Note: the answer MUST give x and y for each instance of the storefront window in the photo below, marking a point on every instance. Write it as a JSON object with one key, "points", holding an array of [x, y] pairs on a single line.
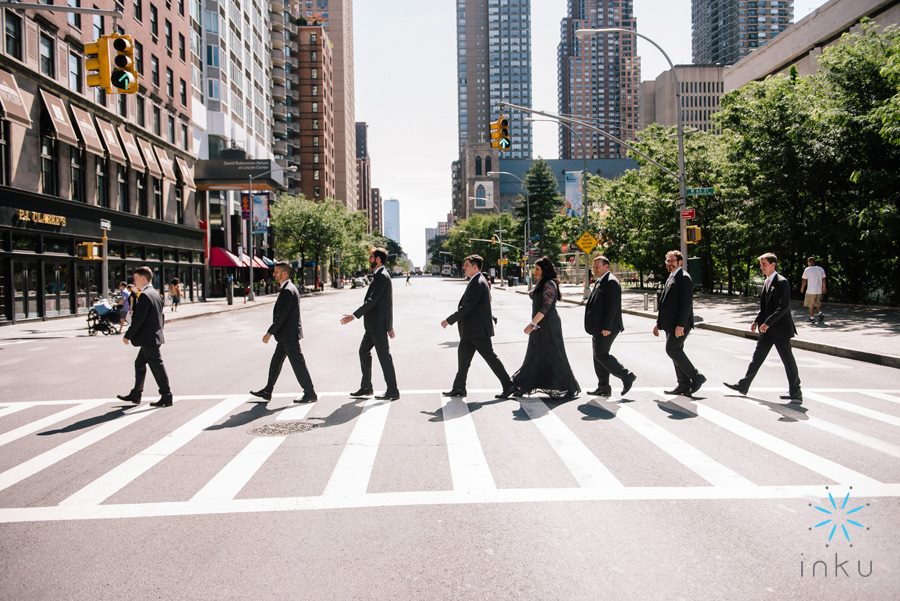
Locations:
{"points": [[135, 252], [56, 245], [114, 250], [169, 255], [153, 254], [25, 243], [87, 280]]}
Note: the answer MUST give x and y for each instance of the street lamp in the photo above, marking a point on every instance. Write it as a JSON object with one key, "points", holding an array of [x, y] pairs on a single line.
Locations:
{"points": [[527, 222], [250, 178], [682, 198]]}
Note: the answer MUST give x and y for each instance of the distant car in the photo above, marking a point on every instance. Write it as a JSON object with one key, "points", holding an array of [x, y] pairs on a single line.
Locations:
{"points": [[359, 283], [447, 270]]}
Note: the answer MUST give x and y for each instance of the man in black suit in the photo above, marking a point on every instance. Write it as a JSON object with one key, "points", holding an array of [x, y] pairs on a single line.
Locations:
{"points": [[676, 319], [377, 312], [476, 326], [603, 321], [146, 333], [288, 331], [776, 328]]}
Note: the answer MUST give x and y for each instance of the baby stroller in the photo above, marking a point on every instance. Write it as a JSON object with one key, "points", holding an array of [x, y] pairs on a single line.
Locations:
{"points": [[103, 317]]}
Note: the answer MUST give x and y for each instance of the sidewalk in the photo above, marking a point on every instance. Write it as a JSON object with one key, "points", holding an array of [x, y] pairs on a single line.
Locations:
{"points": [[859, 332]]}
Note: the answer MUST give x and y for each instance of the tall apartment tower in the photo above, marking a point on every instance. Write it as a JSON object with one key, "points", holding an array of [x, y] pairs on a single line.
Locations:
{"points": [[375, 205], [723, 31], [391, 208], [599, 78], [363, 171], [493, 57], [338, 18]]}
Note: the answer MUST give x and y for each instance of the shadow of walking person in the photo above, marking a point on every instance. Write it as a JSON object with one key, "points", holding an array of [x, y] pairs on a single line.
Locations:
{"points": [[259, 410], [94, 421]]}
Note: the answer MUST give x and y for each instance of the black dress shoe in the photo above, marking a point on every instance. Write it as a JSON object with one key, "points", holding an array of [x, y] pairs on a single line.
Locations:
{"points": [[391, 395], [599, 391], [678, 390], [794, 397], [263, 394], [130, 398], [164, 401], [738, 388], [307, 398], [362, 392], [454, 392], [507, 392], [697, 382], [627, 381]]}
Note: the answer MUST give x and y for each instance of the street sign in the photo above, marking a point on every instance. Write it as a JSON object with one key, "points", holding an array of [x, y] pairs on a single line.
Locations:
{"points": [[700, 191], [502, 261], [689, 214], [587, 243], [105, 224]]}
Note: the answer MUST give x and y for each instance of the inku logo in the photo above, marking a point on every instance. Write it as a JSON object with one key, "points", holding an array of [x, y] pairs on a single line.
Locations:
{"points": [[841, 524]]}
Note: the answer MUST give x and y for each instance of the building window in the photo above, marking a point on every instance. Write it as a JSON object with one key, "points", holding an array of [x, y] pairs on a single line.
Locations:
{"points": [[312, 55], [171, 130], [179, 202], [75, 80], [154, 21], [154, 70], [315, 124], [317, 191], [139, 10], [212, 56], [315, 90], [181, 50], [170, 83], [77, 166], [100, 96], [182, 92], [140, 111], [48, 55], [167, 28], [99, 24], [314, 74], [49, 158], [74, 18], [185, 137], [142, 194], [123, 105], [213, 89], [139, 57], [157, 197], [13, 35], [102, 184], [312, 38], [4, 153], [316, 175], [315, 107], [487, 164], [122, 186], [181, 7], [316, 158], [316, 141], [157, 118]]}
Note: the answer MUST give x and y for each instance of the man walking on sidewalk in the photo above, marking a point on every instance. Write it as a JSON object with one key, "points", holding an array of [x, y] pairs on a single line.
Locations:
{"points": [[676, 319], [813, 285], [603, 321], [776, 328]]}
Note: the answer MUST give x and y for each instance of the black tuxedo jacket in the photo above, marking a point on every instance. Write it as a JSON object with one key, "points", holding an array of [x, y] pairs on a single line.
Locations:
{"points": [[147, 319], [377, 311], [474, 310], [603, 310], [676, 306], [286, 325], [775, 309]]}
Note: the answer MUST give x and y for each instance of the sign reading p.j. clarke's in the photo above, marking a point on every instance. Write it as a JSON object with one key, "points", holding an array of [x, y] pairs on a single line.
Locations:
{"points": [[25, 216]]}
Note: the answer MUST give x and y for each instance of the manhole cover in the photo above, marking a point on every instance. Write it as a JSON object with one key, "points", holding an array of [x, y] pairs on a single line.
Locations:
{"points": [[283, 428]]}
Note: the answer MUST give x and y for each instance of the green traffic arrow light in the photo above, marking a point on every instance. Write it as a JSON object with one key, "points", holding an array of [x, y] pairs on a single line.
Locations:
{"points": [[122, 80], [504, 143]]}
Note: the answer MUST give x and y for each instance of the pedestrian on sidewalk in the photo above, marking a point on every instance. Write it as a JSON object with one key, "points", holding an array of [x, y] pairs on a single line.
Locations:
{"points": [[377, 312], [175, 293], [603, 321], [476, 327], [546, 366], [813, 285], [146, 333], [408, 283], [124, 305], [776, 328], [287, 329], [676, 318]]}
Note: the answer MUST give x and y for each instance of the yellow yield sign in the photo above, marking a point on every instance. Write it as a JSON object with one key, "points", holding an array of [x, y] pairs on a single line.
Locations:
{"points": [[587, 243]]}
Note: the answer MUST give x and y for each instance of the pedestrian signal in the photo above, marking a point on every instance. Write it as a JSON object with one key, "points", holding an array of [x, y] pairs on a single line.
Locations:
{"points": [[500, 137], [89, 251], [124, 76], [692, 234], [97, 64]]}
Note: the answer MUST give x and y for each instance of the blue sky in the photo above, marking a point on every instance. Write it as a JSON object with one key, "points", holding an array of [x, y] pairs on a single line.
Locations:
{"points": [[405, 70]]}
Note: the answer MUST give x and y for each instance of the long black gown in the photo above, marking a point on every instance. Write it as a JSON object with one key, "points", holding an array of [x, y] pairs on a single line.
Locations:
{"points": [[546, 367]]}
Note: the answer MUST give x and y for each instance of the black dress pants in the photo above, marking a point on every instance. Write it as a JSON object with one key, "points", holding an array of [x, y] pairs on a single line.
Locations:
{"points": [[764, 344], [465, 352], [150, 355], [684, 369], [378, 341], [604, 363], [292, 351]]}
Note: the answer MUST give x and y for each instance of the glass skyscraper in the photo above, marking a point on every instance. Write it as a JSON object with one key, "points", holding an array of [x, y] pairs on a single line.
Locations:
{"points": [[723, 31]]}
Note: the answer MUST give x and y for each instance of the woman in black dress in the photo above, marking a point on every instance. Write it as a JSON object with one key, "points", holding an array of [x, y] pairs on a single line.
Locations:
{"points": [[546, 367]]}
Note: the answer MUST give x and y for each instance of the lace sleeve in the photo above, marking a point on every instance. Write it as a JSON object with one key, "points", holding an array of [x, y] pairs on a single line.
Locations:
{"points": [[549, 297]]}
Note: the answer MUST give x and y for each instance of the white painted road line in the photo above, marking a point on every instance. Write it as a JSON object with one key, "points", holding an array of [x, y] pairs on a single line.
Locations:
{"points": [[40, 424], [120, 476], [838, 473], [295, 413], [10, 409], [354, 467], [587, 470], [850, 407], [232, 478], [883, 396], [469, 469]]}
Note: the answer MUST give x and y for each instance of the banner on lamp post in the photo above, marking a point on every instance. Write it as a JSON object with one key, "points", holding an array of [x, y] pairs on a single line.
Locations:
{"points": [[573, 206]]}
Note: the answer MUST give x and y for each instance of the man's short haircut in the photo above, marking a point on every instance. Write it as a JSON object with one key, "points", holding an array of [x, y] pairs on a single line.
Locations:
{"points": [[601, 258], [768, 258], [381, 253], [811, 260], [123, 284], [677, 254], [284, 265], [476, 260], [144, 272]]}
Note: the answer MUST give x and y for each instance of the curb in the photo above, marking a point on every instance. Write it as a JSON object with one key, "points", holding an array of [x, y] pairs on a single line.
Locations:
{"points": [[816, 347], [242, 306]]}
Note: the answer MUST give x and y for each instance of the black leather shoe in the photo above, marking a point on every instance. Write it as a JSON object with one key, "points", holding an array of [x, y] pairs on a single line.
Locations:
{"points": [[737, 387], [678, 390], [263, 394], [507, 392], [164, 401], [362, 392], [130, 398], [795, 397], [391, 395], [627, 381], [307, 398], [454, 392], [697, 382], [602, 391]]}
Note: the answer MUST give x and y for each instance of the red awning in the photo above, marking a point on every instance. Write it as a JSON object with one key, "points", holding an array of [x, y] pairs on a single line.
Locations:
{"points": [[219, 257], [258, 263]]}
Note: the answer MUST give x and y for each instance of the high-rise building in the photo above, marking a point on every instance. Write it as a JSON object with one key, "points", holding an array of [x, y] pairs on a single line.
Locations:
{"points": [[375, 206], [391, 209], [702, 88], [363, 171], [722, 31], [317, 129], [599, 77]]}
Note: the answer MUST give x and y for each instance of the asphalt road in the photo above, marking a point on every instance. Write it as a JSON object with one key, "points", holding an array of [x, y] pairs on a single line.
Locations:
{"points": [[646, 497]]}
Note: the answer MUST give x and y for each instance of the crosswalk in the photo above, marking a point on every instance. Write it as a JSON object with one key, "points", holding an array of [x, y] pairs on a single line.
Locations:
{"points": [[95, 459]]}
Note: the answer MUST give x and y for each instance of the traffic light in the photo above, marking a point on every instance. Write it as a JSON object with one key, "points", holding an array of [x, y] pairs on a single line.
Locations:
{"points": [[692, 234], [124, 76], [97, 64], [89, 251], [500, 134]]}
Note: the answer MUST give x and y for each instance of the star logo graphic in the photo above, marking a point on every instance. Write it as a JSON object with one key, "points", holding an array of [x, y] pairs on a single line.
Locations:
{"points": [[839, 517]]}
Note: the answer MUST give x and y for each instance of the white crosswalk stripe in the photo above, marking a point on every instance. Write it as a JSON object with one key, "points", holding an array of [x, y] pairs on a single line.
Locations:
{"points": [[473, 480]]}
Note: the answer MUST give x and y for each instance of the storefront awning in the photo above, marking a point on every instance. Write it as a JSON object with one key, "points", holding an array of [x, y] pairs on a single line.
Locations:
{"points": [[59, 118], [150, 158], [268, 261], [88, 131], [131, 150], [108, 136], [219, 257], [186, 175], [11, 100], [258, 263], [165, 162]]}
